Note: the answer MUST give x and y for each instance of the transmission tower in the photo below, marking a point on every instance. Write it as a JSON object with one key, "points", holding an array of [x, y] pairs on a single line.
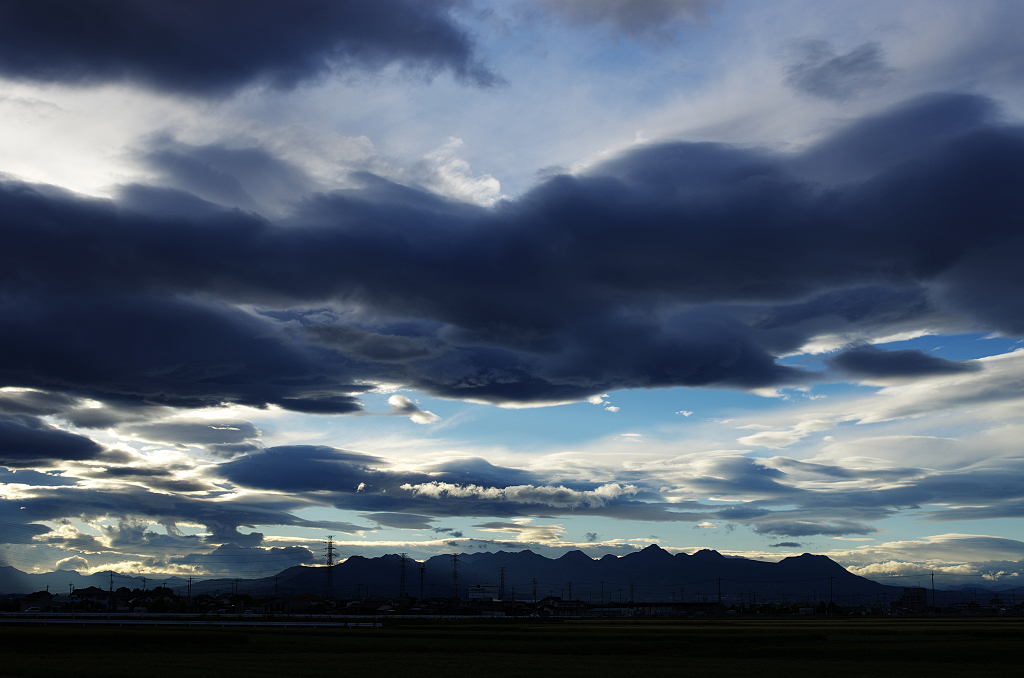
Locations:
{"points": [[329, 583], [402, 557], [455, 576], [501, 583], [423, 569]]}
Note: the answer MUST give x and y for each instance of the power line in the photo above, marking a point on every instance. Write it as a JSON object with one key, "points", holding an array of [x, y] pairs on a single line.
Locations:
{"points": [[329, 583], [455, 576]]}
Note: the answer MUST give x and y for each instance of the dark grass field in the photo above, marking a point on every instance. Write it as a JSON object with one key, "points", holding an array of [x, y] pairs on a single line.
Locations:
{"points": [[765, 647]]}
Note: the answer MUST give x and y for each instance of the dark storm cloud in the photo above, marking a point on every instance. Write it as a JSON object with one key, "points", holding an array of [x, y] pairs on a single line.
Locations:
{"points": [[822, 73], [232, 558], [868, 361], [359, 481], [674, 264], [403, 521], [470, 488], [194, 431], [161, 350], [35, 403], [27, 442], [874, 143], [807, 528], [133, 505], [372, 345], [213, 48], [248, 178], [307, 468], [633, 17]]}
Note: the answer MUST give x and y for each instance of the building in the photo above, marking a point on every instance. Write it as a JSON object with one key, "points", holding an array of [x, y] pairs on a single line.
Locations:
{"points": [[914, 599], [40, 601]]}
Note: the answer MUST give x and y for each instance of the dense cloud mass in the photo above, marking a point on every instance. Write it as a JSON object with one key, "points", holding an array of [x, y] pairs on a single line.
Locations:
{"points": [[204, 48], [236, 349], [822, 73], [672, 265], [30, 442], [633, 17], [867, 361]]}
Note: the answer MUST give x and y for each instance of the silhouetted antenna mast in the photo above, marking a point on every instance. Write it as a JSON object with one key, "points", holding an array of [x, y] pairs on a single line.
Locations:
{"points": [[112, 582], [402, 557], [501, 583], [455, 576], [329, 582], [423, 569]]}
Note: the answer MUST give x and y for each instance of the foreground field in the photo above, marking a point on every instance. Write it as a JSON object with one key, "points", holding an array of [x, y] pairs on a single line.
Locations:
{"points": [[841, 647]]}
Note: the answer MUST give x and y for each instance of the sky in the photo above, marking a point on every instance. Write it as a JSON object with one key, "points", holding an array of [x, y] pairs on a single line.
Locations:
{"points": [[459, 275]]}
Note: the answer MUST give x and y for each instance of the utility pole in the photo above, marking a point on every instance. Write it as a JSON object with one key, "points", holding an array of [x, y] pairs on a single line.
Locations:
{"points": [[501, 583], [190, 588], [401, 582], [631, 598], [534, 589], [602, 592], [830, 597], [933, 591], [275, 583], [570, 590], [423, 569], [719, 593], [455, 576], [329, 583], [111, 581]]}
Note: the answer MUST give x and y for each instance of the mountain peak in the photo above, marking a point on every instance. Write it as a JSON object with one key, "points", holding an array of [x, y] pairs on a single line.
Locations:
{"points": [[707, 554], [650, 552]]}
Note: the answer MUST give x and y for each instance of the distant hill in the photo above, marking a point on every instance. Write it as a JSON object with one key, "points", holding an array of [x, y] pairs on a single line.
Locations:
{"points": [[13, 580], [652, 573]]}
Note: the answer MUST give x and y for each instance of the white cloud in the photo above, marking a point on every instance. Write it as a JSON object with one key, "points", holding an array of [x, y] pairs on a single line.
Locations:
{"points": [[969, 556], [772, 439], [77, 563], [405, 407], [999, 382], [448, 174], [560, 496]]}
